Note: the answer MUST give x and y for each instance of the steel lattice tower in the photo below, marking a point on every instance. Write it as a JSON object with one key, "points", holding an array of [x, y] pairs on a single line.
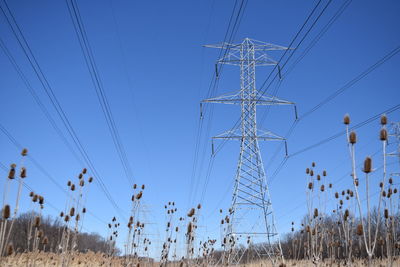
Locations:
{"points": [[251, 218]]}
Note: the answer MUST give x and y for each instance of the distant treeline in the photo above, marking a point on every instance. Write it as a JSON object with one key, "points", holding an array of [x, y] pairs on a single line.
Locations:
{"points": [[51, 233]]}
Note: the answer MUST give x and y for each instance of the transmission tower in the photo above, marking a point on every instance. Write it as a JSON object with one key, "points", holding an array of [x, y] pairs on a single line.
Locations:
{"points": [[250, 218]]}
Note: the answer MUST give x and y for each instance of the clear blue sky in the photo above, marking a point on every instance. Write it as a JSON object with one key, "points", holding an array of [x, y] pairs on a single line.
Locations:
{"points": [[155, 72]]}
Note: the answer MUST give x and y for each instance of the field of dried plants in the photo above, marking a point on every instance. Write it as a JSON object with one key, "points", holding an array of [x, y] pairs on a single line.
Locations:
{"points": [[360, 231]]}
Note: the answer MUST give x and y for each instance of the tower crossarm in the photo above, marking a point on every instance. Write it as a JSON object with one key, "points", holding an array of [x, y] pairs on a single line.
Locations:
{"points": [[261, 135], [257, 99]]}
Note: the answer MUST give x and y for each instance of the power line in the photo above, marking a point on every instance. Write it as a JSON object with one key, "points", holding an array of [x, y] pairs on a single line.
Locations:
{"points": [[16, 30], [80, 31]]}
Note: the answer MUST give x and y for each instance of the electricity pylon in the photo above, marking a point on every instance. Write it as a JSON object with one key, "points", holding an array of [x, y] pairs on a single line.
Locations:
{"points": [[250, 218]]}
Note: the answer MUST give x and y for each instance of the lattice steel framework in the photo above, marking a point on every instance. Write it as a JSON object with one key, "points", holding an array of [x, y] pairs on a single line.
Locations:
{"points": [[250, 218]]}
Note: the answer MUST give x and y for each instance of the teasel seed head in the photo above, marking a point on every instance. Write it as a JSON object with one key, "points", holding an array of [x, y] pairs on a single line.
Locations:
{"points": [[22, 173], [324, 173], [310, 185], [330, 185], [311, 173], [386, 213], [61, 214], [322, 188], [383, 119], [72, 187], [6, 212], [383, 136], [35, 198], [380, 184], [139, 195], [84, 171], [395, 190], [307, 170], [69, 183], [41, 200], [384, 193], [10, 249], [80, 176], [90, 180], [77, 217], [11, 173], [31, 194], [24, 152], [81, 183], [367, 165], [360, 230], [84, 210], [72, 212], [199, 206], [45, 240], [346, 119], [352, 138], [66, 218], [142, 186], [390, 180], [36, 222], [191, 212], [313, 164], [318, 177], [315, 213], [134, 186]]}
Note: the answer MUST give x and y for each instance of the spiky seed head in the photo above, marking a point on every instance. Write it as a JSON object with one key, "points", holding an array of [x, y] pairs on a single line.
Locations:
{"points": [[24, 152], [80, 176], [313, 164], [134, 186], [77, 217], [386, 213], [352, 138], [322, 188], [72, 187], [11, 173], [356, 182], [72, 212], [310, 185], [395, 191], [191, 212], [324, 173], [307, 170], [143, 186], [69, 183], [199, 206], [330, 185], [383, 136], [84, 171], [10, 249], [176, 229], [380, 184], [40, 234], [66, 218], [315, 213], [31, 194], [36, 222], [390, 180], [311, 173], [384, 193], [367, 165], [346, 119], [22, 173], [139, 195], [61, 214], [360, 230], [6, 212], [90, 180], [318, 177], [81, 183], [383, 119], [35, 198], [41, 200], [84, 210]]}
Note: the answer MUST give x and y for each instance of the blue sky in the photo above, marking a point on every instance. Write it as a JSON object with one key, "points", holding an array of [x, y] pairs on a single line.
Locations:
{"points": [[155, 72]]}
